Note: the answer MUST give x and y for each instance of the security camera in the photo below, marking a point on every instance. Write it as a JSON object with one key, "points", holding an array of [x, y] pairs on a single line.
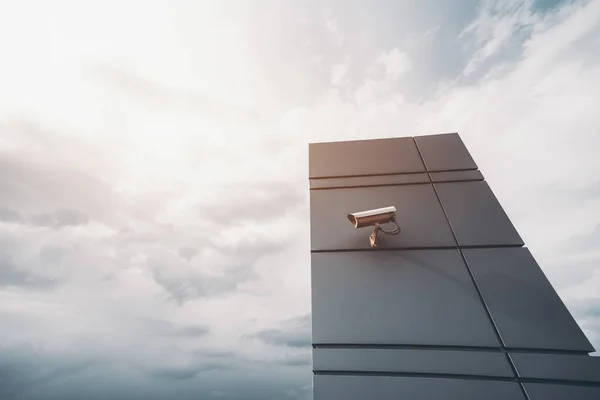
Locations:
{"points": [[375, 218], [371, 217]]}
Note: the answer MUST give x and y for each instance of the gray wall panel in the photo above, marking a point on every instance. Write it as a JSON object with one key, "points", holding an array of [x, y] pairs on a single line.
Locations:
{"points": [[399, 388], [539, 391], [473, 175], [364, 157], [419, 215], [525, 307], [476, 215], [415, 290], [415, 361], [444, 152], [397, 297], [369, 181], [558, 366]]}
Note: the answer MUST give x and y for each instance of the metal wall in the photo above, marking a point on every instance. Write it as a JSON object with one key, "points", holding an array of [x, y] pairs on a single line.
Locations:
{"points": [[454, 307]]}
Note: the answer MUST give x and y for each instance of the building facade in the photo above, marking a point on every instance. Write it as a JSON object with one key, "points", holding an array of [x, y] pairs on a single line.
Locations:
{"points": [[453, 307]]}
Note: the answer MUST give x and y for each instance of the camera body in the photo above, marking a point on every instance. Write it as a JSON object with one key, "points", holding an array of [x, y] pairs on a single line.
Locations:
{"points": [[377, 216]]}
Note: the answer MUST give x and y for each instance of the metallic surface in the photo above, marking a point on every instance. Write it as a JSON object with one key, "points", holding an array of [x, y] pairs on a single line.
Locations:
{"points": [[453, 176], [412, 297], [538, 391], [525, 307], [413, 388], [566, 367], [378, 180], [453, 307], [445, 152], [480, 363], [476, 216], [364, 157]]}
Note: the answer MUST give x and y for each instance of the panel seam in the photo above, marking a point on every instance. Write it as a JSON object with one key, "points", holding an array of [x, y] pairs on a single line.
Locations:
{"points": [[496, 378], [395, 184], [483, 349], [499, 246], [391, 173]]}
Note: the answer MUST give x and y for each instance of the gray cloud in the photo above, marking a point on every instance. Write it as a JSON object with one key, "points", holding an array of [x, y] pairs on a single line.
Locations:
{"points": [[229, 234], [185, 372], [163, 328], [301, 393], [196, 285], [13, 273], [299, 360], [586, 241], [23, 368], [187, 253], [68, 191], [191, 331], [9, 215], [587, 309], [283, 338], [214, 353], [253, 202], [570, 271], [59, 219], [246, 208], [295, 332]]}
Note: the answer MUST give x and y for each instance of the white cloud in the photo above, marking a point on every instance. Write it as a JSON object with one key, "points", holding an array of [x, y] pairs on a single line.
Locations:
{"points": [[338, 74], [496, 28], [335, 34], [390, 66]]}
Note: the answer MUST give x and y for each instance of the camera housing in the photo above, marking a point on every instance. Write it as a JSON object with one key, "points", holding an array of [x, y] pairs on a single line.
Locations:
{"points": [[375, 218], [372, 217]]}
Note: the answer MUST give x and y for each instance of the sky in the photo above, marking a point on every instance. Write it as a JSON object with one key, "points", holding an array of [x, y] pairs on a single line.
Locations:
{"points": [[154, 217]]}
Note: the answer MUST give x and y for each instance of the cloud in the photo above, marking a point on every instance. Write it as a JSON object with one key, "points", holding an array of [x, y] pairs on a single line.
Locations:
{"points": [[15, 274], [25, 181], [160, 96], [166, 329], [295, 332], [389, 66], [187, 284], [9, 215], [283, 338], [335, 34], [187, 253], [302, 393], [56, 220], [498, 25], [179, 372], [251, 202], [338, 73], [243, 224], [585, 241], [299, 360], [23, 368], [59, 219]]}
